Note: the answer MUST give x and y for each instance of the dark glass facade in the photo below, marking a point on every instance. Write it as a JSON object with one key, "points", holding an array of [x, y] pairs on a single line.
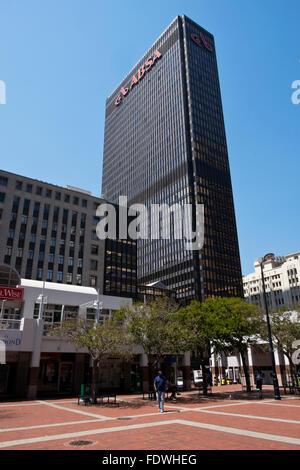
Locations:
{"points": [[165, 143], [120, 277], [120, 264]]}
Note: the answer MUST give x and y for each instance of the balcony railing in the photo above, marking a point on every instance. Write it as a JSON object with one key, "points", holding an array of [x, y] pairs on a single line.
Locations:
{"points": [[8, 324], [49, 327]]}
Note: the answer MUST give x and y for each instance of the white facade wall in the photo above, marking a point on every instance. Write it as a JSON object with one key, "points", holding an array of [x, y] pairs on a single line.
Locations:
{"points": [[281, 281], [30, 336]]}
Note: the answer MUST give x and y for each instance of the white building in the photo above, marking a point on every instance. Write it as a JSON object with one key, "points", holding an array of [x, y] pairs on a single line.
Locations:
{"points": [[281, 281], [281, 276], [37, 363]]}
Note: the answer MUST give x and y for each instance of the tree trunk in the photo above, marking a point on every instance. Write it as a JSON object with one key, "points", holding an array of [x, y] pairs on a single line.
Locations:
{"points": [[94, 379], [204, 378], [246, 372], [150, 374]]}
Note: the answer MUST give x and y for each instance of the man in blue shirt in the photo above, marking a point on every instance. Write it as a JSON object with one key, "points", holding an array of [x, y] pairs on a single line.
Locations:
{"points": [[160, 388]]}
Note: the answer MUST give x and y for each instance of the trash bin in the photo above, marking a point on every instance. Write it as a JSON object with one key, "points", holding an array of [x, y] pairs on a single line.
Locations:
{"points": [[138, 383]]}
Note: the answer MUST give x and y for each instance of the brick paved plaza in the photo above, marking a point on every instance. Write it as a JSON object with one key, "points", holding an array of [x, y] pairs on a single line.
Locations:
{"points": [[229, 419]]}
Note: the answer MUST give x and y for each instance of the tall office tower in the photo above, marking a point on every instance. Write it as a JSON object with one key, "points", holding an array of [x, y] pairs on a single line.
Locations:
{"points": [[165, 142]]}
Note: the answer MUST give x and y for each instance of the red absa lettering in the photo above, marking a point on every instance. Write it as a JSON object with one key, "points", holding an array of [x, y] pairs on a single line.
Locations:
{"points": [[124, 91], [148, 63], [141, 72], [134, 80], [156, 55]]}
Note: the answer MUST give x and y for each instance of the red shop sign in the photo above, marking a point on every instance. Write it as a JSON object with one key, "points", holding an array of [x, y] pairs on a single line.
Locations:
{"points": [[11, 293]]}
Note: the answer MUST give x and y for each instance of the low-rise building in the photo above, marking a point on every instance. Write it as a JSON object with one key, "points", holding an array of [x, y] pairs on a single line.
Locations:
{"points": [[48, 233], [38, 364]]}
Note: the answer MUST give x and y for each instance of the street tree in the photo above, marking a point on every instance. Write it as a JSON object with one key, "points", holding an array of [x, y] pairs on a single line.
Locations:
{"points": [[233, 325], [101, 340], [154, 326], [197, 334], [285, 330]]}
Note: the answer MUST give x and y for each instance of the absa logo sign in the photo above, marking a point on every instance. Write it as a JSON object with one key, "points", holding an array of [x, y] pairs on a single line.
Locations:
{"points": [[200, 39], [140, 74]]}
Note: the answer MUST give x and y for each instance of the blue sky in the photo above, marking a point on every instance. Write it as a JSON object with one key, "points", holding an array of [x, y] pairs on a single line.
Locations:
{"points": [[60, 59]]}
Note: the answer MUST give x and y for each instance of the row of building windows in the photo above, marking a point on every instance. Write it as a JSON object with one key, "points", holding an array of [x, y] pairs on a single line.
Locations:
{"points": [[40, 191], [70, 277], [51, 258]]}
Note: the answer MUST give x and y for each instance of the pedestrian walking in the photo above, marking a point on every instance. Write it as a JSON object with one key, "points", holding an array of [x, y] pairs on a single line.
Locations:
{"points": [[259, 377], [172, 388], [160, 388]]}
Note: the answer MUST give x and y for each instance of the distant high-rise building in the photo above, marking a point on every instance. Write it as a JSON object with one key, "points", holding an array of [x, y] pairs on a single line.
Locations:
{"points": [[165, 142]]}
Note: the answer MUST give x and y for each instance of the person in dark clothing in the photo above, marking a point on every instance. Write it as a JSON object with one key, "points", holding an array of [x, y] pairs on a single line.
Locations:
{"points": [[172, 388], [160, 388], [259, 376]]}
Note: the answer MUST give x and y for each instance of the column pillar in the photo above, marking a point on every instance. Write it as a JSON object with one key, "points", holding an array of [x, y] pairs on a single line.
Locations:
{"points": [[78, 372], [251, 365], [35, 360], [186, 370], [279, 367], [221, 369], [144, 368], [287, 369], [214, 369], [127, 377]]}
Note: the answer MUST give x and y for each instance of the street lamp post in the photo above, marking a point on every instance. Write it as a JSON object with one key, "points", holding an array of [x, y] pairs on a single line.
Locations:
{"points": [[42, 300], [96, 305], [2, 308], [274, 374]]}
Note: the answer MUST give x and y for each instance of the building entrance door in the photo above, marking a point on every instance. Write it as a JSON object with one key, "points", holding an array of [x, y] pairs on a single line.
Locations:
{"points": [[4, 371], [8, 374], [65, 377]]}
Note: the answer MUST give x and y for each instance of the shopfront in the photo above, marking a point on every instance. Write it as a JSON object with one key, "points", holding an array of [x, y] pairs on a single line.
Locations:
{"points": [[135, 375], [33, 362], [7, 379], [13, 374], [56, 374]]}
